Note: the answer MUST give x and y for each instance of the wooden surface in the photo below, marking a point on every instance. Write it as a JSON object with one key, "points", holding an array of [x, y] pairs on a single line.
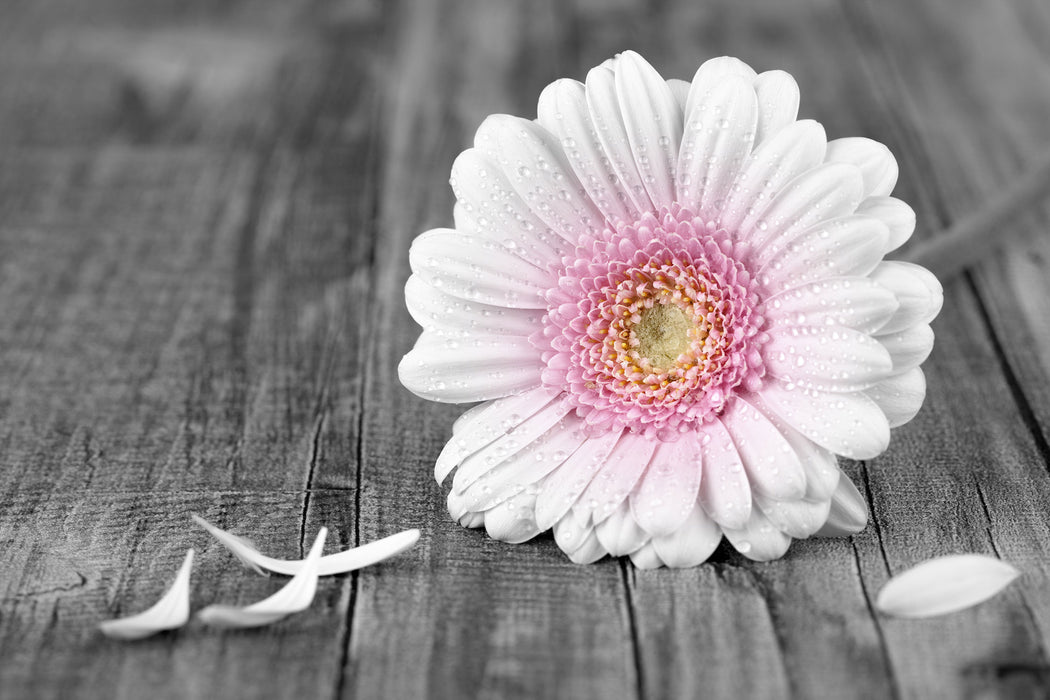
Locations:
{"points": [[205, 211]]}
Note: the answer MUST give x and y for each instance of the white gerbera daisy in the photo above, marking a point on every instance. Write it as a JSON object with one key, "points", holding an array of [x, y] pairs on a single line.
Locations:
{"points": [[671, 298]]}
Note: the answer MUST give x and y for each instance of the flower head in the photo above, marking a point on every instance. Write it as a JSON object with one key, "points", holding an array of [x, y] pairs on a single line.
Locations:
{"points": [[672, 301]]}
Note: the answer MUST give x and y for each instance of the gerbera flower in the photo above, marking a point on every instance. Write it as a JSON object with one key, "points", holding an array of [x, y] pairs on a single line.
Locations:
{"points": [[671, 299]]}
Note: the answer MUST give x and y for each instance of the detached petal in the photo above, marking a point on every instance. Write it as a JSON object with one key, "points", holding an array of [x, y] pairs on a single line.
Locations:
{"points": [[332, 564], [296, 596], [945, 584], [170, 612]]}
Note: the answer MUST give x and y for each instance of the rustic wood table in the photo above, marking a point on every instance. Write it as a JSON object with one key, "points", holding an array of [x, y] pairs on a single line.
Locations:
{"points": [[205, 212]]}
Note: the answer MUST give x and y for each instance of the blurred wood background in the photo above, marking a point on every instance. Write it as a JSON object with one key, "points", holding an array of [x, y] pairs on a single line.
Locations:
{"points": [[205, 211]]}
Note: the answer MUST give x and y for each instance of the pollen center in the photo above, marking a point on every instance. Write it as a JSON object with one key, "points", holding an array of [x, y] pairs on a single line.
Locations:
{"points": [[664, 332]]}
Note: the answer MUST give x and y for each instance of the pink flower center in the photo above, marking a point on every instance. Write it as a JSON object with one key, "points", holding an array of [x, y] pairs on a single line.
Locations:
{"points": [[653, 326]]}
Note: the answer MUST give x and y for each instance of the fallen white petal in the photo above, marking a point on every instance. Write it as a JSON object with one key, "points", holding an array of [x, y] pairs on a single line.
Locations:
{"points": [[171, 611], [295, 597], [340, 563], [945, 584]]}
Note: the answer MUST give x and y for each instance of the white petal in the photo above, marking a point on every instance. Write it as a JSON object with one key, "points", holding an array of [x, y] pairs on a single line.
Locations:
{"points": [[713, 73], [898, 216], [820, 466], [537, 169], [524, 469], [295, 596], [758, 540], [945, 584], [329, 565], [491, 421], [718, 135], [787, 154], [680, 90], [848, 424], [614, 481], [853, 302], [849, 511], [486, 202], [826, 358], [844, 247], [619, 532], [908, 348], [575, 536], [645, 557], [725, 493], [654, 124], [565, 486], [514, 520], [170, 612], [877, 165], [900, 397], [798, 519], [477, 269], [452, 317], [917, 289], [692, 543], [772, 467], [453, 372], [778, 98], [564, 112], [826, 192], [667, 491], [604, 106], [510, 444]]}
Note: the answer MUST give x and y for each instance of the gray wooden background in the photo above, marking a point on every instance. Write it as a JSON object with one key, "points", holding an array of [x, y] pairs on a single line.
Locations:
{"points": [[205, 211]]}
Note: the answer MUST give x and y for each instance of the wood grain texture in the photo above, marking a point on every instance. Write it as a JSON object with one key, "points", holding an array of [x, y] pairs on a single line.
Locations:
{"points": [[205, 211]]}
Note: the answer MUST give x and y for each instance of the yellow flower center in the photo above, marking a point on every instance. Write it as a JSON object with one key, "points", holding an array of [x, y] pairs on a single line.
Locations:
{"points": [[663, 334]]}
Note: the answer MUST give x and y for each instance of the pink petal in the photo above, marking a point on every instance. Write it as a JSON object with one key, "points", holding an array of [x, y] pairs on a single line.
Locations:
{"points": [[654, 124], [944, 585], [563, 111], [667, 492], [772, 467], [877, 165], [614, 481], [725, 493], [565, 486]]}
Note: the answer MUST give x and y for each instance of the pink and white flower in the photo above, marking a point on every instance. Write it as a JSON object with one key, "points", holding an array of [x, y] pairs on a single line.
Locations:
{"points": [[672, 300]]}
